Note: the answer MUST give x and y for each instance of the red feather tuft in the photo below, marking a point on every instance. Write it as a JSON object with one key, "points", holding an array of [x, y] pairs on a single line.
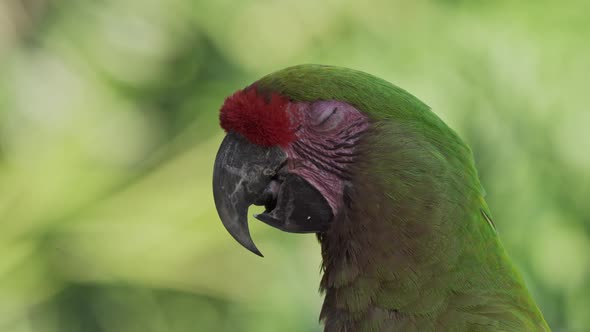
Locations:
{"points": [[263, 120]]}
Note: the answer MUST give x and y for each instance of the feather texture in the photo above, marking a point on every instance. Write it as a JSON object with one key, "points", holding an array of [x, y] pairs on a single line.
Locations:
{"points": [[413, 248]]}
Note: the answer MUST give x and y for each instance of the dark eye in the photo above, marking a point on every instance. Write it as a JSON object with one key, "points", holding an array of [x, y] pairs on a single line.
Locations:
{"points": [[326, 117]]}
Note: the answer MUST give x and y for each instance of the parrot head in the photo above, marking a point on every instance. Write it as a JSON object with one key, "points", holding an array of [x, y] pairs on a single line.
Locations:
{"points": [[294, 144], [292, 157]]}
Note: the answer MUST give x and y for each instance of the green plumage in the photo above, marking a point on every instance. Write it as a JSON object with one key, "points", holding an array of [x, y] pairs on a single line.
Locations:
{"points": [[414, 249]]}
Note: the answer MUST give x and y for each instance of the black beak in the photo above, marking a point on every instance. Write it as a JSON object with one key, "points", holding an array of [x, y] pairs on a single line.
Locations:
{"points": [[241, 174], [245, 174]]}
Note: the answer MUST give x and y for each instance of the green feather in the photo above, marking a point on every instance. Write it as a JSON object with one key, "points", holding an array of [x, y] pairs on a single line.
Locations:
{"points": [[416, 248]]}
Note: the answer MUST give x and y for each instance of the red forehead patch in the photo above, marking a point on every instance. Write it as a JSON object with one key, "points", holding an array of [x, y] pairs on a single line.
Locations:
{"points": [[262, 119]]}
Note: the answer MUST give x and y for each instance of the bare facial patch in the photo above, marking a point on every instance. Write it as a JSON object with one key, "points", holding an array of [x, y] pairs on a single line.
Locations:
{"points": [[326, 145]]}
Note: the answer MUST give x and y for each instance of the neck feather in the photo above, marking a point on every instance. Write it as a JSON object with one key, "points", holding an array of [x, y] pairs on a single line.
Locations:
{"points": [[411, 247]]}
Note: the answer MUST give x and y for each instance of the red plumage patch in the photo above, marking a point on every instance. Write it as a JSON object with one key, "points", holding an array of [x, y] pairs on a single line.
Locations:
{"points": [[263, 120]]}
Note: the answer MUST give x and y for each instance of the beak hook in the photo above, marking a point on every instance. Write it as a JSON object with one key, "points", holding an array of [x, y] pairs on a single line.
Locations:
{"points": [[241, 173]]}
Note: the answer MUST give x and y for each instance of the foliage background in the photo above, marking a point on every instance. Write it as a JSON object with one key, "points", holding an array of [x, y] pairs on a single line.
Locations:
{"points": [[108, 130]]}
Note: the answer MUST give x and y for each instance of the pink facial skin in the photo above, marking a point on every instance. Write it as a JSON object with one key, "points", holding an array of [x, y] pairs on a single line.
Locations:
{"points": [[326, 144]]}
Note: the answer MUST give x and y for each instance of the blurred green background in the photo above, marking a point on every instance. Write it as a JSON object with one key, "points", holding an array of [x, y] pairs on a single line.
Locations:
{"points": [[108, 131]]}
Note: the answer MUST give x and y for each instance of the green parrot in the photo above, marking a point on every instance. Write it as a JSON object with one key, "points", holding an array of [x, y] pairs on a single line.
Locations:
{"points": [[407, 239]]}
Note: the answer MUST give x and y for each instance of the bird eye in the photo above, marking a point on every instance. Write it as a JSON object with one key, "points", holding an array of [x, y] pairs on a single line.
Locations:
{"points": [[326, 117]]}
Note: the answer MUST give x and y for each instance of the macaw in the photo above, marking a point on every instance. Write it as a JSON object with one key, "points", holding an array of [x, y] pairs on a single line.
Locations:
{"points": [[407, 239]]}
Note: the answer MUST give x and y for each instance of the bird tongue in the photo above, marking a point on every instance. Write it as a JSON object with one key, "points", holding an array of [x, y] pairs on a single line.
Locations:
{"points": [[299, 208]]}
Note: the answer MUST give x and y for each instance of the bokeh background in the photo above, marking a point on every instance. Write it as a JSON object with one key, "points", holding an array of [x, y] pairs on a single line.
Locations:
{"points": [[108, 131]]}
